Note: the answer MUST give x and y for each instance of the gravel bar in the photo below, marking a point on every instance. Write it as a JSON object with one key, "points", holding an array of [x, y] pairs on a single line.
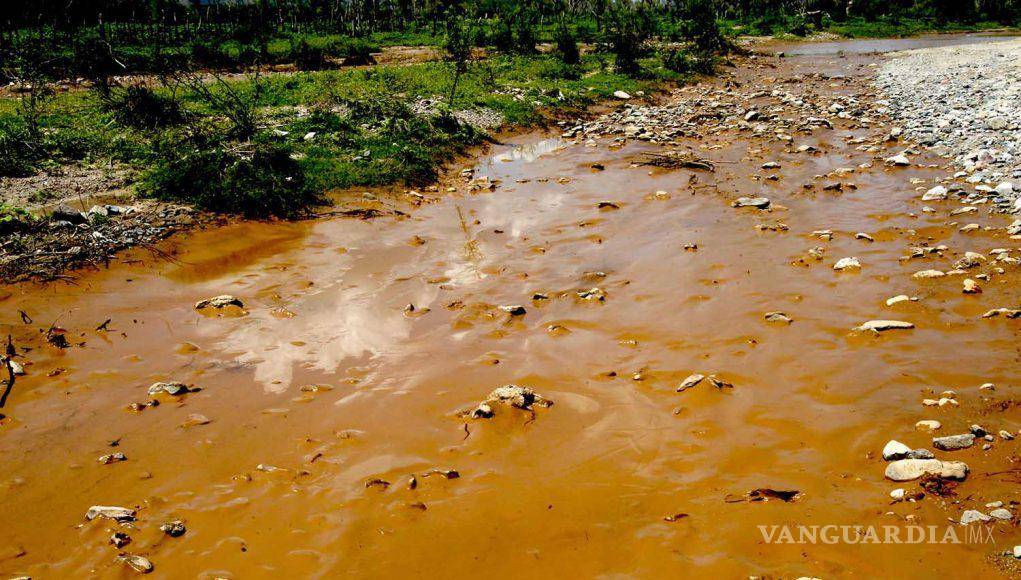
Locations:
{"points": [[965, 103]]}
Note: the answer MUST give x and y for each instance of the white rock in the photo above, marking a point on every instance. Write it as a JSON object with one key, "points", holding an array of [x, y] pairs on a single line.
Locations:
{"points": [[908, 469], [972, 516], [847, 264], [928, 425], [690, 382], [1002, 514], [895, 450], [621, 95], [938, 193], [897, 299], [900, 160], [881, 325], [759, 202], [120, 514]]}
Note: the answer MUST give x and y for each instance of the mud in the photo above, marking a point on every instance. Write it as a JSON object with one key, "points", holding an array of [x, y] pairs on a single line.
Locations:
{"points": [[330, 418]]}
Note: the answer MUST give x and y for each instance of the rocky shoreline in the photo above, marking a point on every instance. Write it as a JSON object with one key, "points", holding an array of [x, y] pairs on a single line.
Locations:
{"points": [[963, 102], [42, 249]]}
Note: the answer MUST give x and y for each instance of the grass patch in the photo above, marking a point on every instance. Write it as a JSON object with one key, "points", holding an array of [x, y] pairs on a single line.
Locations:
{"points": [[314, 131]]}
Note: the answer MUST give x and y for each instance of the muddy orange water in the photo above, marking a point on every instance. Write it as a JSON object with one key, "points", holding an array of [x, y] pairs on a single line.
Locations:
{"points": [[585, 488]]}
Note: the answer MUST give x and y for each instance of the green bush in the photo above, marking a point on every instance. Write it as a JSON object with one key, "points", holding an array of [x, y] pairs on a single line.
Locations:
{"points": [[13, 219], [354, 51], [307, 57], [628, 32], [682, 62], [261, 182], [567, 45], [142, 108], [18, 153]]}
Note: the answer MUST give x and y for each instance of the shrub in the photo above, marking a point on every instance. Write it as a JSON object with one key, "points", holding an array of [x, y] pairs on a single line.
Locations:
{"points": [[262, 182], [94, 60], [18, 151], [13, 219], [628, 32], [307, 57], [211, 54], [567, 45], [702, 27], [682, 62], [524, 33], [142, 108], [355, 51]]}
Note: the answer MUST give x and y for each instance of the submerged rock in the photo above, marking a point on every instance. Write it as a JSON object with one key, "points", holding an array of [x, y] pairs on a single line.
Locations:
{"points": [[851, 263], [895, 450], [972, 516], [174, 529]]}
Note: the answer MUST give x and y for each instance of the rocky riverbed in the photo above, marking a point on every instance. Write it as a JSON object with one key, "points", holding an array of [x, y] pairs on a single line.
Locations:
{"points": [[963, 102]]}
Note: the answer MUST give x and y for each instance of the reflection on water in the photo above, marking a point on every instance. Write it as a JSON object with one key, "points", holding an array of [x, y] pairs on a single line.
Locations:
{"points": [[529, 152]]}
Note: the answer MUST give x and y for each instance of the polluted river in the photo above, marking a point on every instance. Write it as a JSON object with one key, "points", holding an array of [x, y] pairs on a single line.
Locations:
{"points": [[711, 316]]}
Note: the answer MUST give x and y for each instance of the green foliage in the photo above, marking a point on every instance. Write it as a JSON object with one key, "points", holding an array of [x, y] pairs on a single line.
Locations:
{"points": [[567, 45], [629, 29], [18, 151], [13, 219], [354, 51], [261, 181], [307, 57], [142, 108], [702, 27], [685, 63]]}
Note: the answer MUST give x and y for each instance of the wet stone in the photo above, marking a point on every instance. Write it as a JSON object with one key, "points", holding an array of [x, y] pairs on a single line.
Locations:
{"points": [[222, 301], [174, 529], [689, 382], [953, 442], [909, 469], [757, 202], [523, 398], [884, 325], [972, 516], [139, 564], [1002, 514], [173, 389], [120, 514]]}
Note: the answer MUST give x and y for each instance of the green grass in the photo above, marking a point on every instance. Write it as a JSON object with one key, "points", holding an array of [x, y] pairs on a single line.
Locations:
{"points": [[785, 26], [895, 27], [365, 132]]}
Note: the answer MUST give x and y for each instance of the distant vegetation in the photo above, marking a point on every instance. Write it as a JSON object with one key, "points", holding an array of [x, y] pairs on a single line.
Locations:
{"points": [[260, 143]]}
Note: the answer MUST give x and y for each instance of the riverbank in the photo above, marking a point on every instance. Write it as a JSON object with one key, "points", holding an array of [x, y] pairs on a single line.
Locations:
{"points": [[965, 103], [332, 130]]}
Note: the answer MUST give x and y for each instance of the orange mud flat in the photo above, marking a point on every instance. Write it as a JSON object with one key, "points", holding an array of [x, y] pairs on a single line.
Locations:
{"points": [[324, 433]]}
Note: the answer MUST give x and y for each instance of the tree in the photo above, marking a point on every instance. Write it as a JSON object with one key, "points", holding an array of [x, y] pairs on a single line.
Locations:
{"points": [[458, 45]]}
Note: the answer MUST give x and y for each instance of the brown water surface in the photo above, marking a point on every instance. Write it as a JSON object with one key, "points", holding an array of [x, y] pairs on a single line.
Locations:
{"points": [[579, 489]]}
